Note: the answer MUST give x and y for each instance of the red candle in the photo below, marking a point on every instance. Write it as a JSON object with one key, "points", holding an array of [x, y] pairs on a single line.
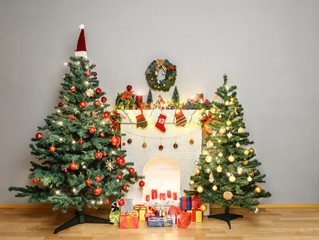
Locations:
{"points": [[147, 198], [139, 99], [174, 195], [169, 194], [154, 194], [162, 196]]}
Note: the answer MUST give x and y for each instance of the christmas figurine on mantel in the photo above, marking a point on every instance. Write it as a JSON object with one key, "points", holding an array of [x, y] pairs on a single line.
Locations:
{"points": [[80, 161], [226, 172]]}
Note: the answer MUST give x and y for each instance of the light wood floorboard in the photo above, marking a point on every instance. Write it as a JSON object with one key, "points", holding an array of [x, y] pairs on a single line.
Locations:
{"points": [[268, 224]]}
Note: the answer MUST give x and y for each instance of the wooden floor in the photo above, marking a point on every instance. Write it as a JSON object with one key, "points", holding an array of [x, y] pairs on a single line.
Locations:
{"points": [[283, 224]]}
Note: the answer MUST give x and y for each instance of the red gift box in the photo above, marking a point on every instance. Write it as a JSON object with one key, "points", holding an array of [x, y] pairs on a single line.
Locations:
{"points": [[149, 214], [196, 203], [184, 220], [197, 215], [128, 220]]}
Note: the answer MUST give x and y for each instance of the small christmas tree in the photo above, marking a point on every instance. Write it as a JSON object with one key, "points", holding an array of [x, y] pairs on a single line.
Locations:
{"points": [[175, 97], [226, 172], [80, 159], [149, 97]]}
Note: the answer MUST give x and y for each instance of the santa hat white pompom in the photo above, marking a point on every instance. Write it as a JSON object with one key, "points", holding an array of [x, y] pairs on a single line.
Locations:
{"points": [[81, 26]]}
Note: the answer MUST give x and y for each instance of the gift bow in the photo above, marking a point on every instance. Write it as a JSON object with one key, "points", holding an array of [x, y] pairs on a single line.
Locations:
{"points": [[127, 95], [159, 64]]}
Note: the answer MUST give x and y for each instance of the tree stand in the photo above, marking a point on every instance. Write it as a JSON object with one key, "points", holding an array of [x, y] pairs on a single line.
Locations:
{"points": [[226, 216], [79, 219]]}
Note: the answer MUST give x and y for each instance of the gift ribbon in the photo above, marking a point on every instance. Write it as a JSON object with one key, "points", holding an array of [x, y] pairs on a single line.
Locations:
{"points": [[160, 63], [165, 221], [128, 221]]}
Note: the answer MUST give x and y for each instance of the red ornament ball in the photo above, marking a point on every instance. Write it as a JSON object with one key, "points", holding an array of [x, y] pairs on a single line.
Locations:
{"points": [[88, 182], [97, 103], [81, 141], [52, 149], [106, 115], [82, 104], [34, 180], [102, 135], [88, 74], [124, 188], [60, 104], [104, 154], [98, 178], [95, 74], [121, 202], [38, 135], [120, 161], [65, 170], [131, 170], [98, 90], [129, 88], [72, 88], [103, 99], [142, 183], [95, 116], [73, 166], [171, 67], [114, 112], [160, 147], [97, 191], [136, 179], [123, 143], [107, 202], [119, 177], [92, 130], [98, 155], [152, 79], [115, 141], [38, 179]]}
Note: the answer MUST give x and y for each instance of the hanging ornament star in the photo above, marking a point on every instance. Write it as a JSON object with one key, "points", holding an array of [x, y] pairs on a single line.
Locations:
{"points": [[89, 92], [109, 165], [229, 135]]}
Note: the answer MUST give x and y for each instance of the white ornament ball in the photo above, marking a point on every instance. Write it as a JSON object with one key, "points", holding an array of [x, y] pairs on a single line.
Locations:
{"points": [[81, 26]]}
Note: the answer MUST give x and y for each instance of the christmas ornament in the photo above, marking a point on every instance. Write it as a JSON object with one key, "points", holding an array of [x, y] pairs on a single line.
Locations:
{"points": [[214, 188], [209, 144], [121, 202], [95, 116], [97, 103], [107, 202], [245, 162], [98, 91], [142, 183], [241, 130], [258, 189], [97, 191], [65, 170], [104, 154], [120, 161], [220, 154], [124, 188], [232, 178], [38, 135], [219, 169], [119, 177], [215, 97], [95, 74], [88, 182], [115, 141], [200, 189], [246, 152], [227, 103], [103, 99], [98, 155], [238, 145], [72, 88], [180, 119], [123, 143], [92, 130], [249, 179], [106, 115], [205, 152], [129, 88], [88, 74], [129, 141], [82, 104], [52, 149], [228, 122], [160, 147], [98, 178], [81, 141], [251, 150], [203, 208], [197, 171], [131, 170], [89, 92], [231, 158], [102, 134], [229, 135], [227, 195], [222, 130], [144, 145], [73, 166], [232, 99], [161, 121], [141, 121], [191, 141], [213, 110], [211, 178], [60, 104], [209, 159], [175, 145], [191, 182]]}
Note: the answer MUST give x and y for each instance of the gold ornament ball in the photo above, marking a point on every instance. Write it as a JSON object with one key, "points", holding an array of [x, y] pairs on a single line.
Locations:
{"points": [[197, 171], [232, 178], [191, 182], [213, 110], [209, 159], [222, 130], [228, 122], [200, 189], [204, 114], [251, 150], [220, 154], [205, 152], [232, 99], [227, 195], [231, 158], [258, 189], [241, 130], [227, 103], [144, 145], [245, 162], [203, 208], [246, 152], [191, 141], [210, 144], [238, 145], [214, 188], [251, 174], [219, 169]]}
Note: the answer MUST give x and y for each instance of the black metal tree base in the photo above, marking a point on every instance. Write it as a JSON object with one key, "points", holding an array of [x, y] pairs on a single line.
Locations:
{"points": [[79, 219], [226, 216]]}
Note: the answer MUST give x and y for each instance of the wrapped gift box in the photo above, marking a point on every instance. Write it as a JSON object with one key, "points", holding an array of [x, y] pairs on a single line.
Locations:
{"points": [[128, 220], [186, 203], [149, 214], [196, 203], [196, 215], [175, 212], [160, 221], [184, 220], [142, 209]]}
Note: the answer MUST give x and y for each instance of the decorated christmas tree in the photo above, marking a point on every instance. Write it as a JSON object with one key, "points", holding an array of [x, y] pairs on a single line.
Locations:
{"points": [[175, 97], [149, 97], [79, 158], [226, 172]]}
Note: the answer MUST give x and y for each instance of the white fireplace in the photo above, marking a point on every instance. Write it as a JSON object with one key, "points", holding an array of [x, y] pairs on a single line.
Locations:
{"points": [[166, 169]]}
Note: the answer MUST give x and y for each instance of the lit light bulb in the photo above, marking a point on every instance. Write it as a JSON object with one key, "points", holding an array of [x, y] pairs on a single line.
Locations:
{"points": [[58, 110], [86, 82], [84, 167], [65, 64], [60, 139], [207, 170], [74, 189], [57, 192], [92, 202], [73, 142], [60, 123], [228, 174], [249, 179], [100, 202]]}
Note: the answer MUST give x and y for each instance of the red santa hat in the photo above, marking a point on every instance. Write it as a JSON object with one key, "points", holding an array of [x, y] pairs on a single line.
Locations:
{"points": [[81, 47]]}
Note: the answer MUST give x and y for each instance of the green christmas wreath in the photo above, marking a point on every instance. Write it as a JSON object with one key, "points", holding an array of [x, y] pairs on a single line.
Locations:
{"points": [[152, 72]]}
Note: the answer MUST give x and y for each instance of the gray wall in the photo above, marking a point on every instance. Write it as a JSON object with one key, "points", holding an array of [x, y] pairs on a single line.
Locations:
{"points": [[269, 49]]}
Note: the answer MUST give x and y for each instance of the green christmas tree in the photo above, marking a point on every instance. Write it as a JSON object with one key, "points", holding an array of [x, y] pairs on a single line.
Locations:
{"points": [[79, 157], [175, 97], [149, 97], [226, 172]]}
